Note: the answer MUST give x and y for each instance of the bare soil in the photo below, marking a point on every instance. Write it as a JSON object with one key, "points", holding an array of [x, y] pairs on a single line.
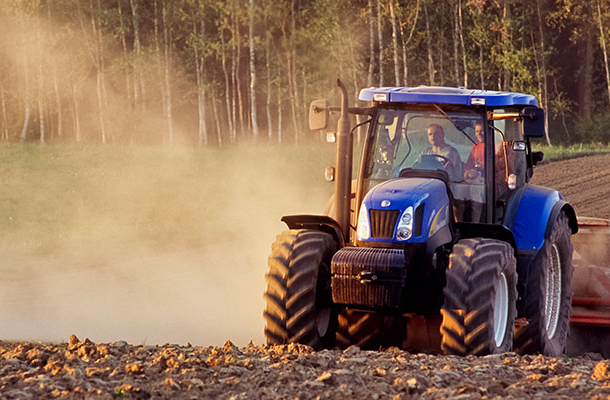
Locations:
{"points": [[584, 182], [82, 369]]}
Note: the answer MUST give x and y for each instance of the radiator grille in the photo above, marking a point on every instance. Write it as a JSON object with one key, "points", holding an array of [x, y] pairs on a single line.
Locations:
{"points": [[383, 223], [351, 264]]}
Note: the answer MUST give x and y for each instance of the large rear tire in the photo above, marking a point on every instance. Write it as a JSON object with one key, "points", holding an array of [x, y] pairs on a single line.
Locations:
{"points": [[548, 295], [298, 297], [480, 298]]}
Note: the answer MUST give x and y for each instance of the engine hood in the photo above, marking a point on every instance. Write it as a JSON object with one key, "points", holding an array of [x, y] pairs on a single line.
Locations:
{"points": [[427, 196]]}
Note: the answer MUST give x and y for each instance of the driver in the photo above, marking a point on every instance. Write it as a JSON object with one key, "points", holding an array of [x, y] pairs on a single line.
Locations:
{"points": [[453, 165]]}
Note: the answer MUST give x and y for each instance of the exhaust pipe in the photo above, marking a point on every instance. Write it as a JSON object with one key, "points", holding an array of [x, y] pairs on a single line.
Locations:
{"points": [[343, 183]]}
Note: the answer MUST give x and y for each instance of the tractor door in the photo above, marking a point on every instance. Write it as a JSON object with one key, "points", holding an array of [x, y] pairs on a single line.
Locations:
{"points": [[510, 161]]}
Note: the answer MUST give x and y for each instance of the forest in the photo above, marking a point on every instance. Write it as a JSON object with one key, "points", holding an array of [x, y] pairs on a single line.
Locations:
{"points": [[212, 73]]}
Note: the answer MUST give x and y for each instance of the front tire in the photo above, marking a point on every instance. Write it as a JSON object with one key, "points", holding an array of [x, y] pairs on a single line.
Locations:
{"points": [[298, 298], [548, 295], [480, 298]]}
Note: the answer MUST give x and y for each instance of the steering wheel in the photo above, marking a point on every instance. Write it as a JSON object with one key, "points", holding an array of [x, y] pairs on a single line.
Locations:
{"points": [[432, 162]]}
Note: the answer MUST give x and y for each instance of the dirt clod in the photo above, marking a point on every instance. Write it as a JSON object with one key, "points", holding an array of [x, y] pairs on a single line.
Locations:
{"points": [[289, 371]]}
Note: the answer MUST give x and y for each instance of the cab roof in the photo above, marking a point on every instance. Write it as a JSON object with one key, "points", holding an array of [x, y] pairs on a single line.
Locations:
{"points": [[446, 95]]}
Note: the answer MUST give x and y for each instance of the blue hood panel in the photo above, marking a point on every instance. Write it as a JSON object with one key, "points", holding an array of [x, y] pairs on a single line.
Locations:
{"points": [[404, 192]]}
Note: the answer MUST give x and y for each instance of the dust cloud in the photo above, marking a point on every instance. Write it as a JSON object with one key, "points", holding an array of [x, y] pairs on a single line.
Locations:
{"points": [[150, 265], [60, 69], [131, 249]]}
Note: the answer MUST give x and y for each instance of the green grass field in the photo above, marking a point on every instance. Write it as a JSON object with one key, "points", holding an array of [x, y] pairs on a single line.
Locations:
{"points": [[68, 197], [575, 150], [57, 198]]}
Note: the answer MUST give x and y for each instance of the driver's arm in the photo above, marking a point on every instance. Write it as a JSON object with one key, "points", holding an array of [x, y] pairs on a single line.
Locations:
{"points": [[457, 167]]}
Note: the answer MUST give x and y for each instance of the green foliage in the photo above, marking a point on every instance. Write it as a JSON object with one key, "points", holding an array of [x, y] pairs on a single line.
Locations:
{"points": [[594, 130], [75, 62]]}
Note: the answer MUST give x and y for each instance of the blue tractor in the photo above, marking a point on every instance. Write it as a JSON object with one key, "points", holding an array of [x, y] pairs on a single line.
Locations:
{"points": [[441, 243]]}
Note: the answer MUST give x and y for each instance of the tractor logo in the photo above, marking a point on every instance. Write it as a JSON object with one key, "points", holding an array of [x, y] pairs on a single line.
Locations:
{"points": [[385, 203]]}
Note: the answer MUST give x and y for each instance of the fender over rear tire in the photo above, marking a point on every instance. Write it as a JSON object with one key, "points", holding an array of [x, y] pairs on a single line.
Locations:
{"points": [[480, 298], [299, 306], [548, 295]]}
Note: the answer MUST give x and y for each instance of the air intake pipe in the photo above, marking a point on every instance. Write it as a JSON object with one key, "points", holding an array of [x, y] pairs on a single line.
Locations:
{"points": [[343, 183]]}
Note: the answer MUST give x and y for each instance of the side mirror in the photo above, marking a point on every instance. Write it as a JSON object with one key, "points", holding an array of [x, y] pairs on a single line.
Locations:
{"points": [[533, 122], [318, 115]]}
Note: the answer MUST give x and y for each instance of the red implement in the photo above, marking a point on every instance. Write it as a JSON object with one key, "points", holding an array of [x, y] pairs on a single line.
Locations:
{"points": [[590, 321]]}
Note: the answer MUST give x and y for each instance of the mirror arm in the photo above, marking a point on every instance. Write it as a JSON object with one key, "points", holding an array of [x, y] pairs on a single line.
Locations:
{"points": [[351, 110]]}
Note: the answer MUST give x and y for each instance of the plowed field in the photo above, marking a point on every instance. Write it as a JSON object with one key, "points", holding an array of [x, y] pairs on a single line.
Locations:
{"points": [[82, 369], [583, 181]]}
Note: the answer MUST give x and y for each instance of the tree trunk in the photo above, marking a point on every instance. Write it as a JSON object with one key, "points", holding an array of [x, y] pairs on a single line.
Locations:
{"points": [[167, 34], [202, 134], [380, 40], [369, 80], [160, 62], [456, 63], [429, 48], [395, 45], [41, 105], [5, 134], [268, 71], [292, 90], [253, 114], [26, 88], [441, 58], [295, 86], [461, 34], [405, 65], [481, 66], [562, 113], [537, 64], [128, 73], [279, 112], [405, 43], [234, 86], [58, 104], [506, 40], [100, 45], [586, 87], [216, 119], [125, 55], [603, 45], [227, 88], [237, 67], [95, 27], [76, 116], [290, 74], [139, 93], [40, 94], [544, 74]]}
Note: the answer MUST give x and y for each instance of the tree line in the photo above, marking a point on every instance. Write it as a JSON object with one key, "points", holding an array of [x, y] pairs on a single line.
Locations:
{"points": [[210, 72]]}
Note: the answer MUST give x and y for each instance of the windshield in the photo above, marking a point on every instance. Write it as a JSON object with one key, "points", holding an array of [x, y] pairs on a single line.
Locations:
{"points": [[428, 138]]}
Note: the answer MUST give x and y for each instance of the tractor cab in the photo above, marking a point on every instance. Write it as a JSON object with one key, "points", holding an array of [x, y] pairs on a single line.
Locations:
{"points": [[483, 152]]}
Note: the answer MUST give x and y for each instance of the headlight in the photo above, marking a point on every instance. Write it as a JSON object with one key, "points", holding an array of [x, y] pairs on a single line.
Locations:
{"points": [[404, 231], [363, 231]]}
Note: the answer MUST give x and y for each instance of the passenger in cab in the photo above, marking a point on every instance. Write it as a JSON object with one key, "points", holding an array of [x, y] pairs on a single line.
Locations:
{"points": [[476, 160]]}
